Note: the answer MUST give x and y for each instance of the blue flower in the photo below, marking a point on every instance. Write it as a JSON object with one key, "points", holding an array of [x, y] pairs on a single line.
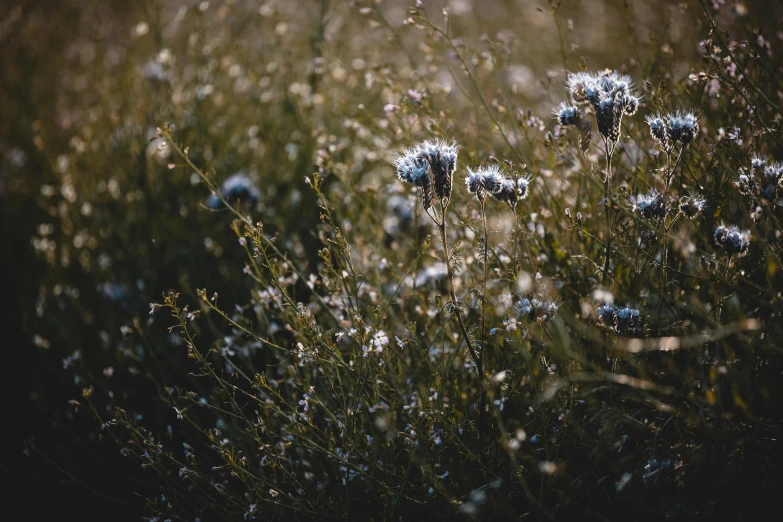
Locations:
{"points": [[236, 188]]}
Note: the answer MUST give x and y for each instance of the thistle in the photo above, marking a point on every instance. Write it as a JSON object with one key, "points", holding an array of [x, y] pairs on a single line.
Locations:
{"points": [[732, 240], [484, 180]]}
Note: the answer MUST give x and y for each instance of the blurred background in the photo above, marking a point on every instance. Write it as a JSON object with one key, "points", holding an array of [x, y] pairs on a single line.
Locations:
{"points": [[96, 222]]}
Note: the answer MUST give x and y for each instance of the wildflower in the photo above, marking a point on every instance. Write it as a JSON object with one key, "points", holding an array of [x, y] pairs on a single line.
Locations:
{"points": [[512, 191], [630, 103], [658, 130], [606, 115], [236, 188], [567, 115], [537, 309], [692, 205], [732, 240], [484, 180], [650, 205], [415, 164], [611, 96], [628, 321], [524, 307], [607, 314], [682, 127], [442, 159]]}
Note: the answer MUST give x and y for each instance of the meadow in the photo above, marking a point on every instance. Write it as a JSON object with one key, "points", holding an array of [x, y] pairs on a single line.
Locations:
{"points": [[393, 260]]}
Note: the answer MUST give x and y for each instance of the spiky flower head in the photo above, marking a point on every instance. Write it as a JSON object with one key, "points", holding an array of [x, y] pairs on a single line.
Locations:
{"points": [[624, 320], [757, 164], [692, 205], [236, 188], [732, 240], [771, 180], [608, 114], [658, 130], [435, 156], [567, 115], [537, 309], [682, 127], [410, 167], [442, 159], [630, 103], [628, 321], [650, 205], [484, 180], [607, 314], [511, 191]]}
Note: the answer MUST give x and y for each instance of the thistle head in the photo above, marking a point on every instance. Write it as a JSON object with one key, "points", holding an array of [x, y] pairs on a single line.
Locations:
{"points": [[692, 205], [682, 127], [567, 115], [650, 205], [484, 180], [732, 240]]}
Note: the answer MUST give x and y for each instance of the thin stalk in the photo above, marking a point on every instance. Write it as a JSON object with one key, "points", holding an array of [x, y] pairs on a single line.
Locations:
{"points": [[608, 192]]}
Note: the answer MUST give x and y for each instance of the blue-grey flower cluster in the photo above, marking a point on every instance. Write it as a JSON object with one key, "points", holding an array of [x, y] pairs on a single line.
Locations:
{"points": [[236, 188], [650, 205], [537, 309], [567, 115], [624, 321], [611, 96], [765, 179], [692, 205], [679, 128], [512, 191], [732, 240], [429, 165], [484, 180]]}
